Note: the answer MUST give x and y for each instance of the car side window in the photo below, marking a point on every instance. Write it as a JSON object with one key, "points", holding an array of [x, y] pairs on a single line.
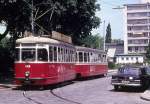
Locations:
{"points": [[143, 70], [148, 70]]}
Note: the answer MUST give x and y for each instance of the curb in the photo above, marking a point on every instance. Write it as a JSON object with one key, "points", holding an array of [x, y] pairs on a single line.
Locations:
{"points": [[146, 95], [8, 85], [112, 71]]}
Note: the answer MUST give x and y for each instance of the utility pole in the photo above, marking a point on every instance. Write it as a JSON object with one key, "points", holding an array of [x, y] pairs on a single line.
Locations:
{"points": [[104, 34]]}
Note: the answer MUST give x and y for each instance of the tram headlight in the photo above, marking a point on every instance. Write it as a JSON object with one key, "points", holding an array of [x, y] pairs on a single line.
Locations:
{"points": [[131, 78], [27, 73]]}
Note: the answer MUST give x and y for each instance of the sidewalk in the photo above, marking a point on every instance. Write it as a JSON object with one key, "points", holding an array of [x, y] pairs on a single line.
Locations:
{"points": [[146, 95], [7, 83], [112, 70]]}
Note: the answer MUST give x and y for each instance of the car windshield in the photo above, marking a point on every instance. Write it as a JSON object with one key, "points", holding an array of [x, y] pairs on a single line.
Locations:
{"points": [[129, 70]]}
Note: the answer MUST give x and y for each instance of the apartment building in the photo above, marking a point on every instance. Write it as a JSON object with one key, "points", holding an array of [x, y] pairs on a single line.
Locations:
{"points": [[137, 27], [118, 45]]}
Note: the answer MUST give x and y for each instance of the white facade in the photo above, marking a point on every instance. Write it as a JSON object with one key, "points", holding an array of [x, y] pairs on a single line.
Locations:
{"points": [[129, 59], [144, 1], [136, 27]]}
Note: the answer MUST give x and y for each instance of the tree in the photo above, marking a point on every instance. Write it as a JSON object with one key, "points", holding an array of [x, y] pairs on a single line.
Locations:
{"points": [[108, 34], [14, 14], [73, 17], [93, 41], [148, 52]]}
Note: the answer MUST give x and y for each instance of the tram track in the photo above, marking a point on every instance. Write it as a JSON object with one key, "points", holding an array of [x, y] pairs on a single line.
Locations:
{"points": [[30, 99], [25, 95], [51, 91], [63, 98]]}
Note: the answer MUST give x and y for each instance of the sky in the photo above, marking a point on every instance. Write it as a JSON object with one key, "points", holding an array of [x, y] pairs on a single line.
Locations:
{"points": [[112, 16], [2, 29]]}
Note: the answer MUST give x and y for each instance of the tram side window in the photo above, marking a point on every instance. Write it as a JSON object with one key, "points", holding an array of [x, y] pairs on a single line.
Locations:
{"points": [[28, 54], [72, 57], [104, 58], [85, 57], [88, 57], [17, 54], [76, 57], [64, 55], [99, 57], [55, 54], [42, 55], [67, 55], [62, 59], [65, 52], [59, 55], [91, 57], [80, 57], [50, 53]]}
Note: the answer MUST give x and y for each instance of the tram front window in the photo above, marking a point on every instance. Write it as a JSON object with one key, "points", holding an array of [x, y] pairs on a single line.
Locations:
{"points": [[28, 54], [16, 54], [42, 55]]}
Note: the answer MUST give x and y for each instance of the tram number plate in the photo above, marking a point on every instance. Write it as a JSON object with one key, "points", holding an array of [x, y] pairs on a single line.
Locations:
{"points": [[125, 82]]}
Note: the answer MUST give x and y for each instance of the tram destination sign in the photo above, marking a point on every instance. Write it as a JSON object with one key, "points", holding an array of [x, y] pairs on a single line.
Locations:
{"points": [[61, 37]]}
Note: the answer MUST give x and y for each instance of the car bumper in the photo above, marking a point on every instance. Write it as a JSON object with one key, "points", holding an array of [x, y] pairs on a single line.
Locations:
{"points": [[135, 83], [129, 84]]}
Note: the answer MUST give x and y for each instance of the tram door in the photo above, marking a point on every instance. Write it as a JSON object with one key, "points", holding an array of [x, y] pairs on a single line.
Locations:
{"points": [[52, 72], [61, 66]]}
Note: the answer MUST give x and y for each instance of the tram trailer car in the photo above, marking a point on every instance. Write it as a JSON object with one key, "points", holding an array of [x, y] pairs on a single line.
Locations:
{"points": [[90, 62], [43, 61]]}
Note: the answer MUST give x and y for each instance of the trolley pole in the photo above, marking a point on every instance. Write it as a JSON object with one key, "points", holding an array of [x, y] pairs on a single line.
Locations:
{"points": [[32, 20]]}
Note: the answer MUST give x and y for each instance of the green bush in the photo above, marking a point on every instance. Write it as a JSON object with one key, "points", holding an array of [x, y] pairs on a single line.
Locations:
{"points": [[111, 65]]}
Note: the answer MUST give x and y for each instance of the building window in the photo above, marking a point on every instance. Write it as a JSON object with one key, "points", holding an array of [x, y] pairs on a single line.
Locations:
{"points": [[122, 58], [130, 49], [127, 58], [136, 58], [136, 48]]}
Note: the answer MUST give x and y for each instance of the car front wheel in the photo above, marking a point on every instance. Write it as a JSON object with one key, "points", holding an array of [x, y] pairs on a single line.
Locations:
{"points": [[116, 87]]}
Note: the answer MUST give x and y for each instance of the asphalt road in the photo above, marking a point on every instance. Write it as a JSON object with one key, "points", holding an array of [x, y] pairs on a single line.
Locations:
{"points": [[93, 91]]}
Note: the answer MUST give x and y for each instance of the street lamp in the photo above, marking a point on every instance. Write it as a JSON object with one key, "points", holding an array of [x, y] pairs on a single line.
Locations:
{"points": [[104, 35]]}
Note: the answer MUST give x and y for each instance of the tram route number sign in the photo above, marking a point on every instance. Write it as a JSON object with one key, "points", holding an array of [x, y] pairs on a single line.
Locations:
{"points": [[61, 37]]}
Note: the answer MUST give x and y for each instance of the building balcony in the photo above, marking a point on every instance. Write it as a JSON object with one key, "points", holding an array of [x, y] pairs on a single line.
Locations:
{"points": [[137, 31], [139, 24], [138, 11], [138, 18], [137, 44], [137, 37]]}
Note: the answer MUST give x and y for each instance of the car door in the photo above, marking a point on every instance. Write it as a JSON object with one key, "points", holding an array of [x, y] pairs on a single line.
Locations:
{"points": [[145, 77]]}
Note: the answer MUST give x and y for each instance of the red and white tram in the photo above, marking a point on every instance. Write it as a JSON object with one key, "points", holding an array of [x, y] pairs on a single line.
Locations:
{"points": [[43, 61], [90, 62]]}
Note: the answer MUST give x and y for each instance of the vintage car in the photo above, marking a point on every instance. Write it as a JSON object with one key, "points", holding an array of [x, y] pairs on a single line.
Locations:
{"points": [[131, 76]]}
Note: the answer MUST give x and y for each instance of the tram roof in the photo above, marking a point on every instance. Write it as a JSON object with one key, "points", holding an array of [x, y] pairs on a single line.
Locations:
{"points": [[33, 39], [79, 48]]}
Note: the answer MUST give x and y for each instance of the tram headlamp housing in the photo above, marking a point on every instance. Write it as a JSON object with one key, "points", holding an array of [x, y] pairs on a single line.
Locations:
{"points": [[27, 73]]}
